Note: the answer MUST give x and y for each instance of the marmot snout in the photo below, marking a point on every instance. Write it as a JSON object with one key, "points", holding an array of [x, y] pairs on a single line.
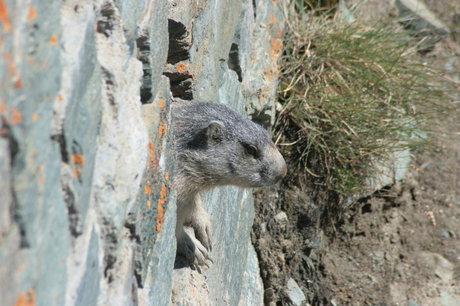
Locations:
{"points": [[216, 146]]}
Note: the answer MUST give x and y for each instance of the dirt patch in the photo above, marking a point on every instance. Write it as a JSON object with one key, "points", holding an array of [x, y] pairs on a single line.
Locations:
{"points": [[400, 246]]}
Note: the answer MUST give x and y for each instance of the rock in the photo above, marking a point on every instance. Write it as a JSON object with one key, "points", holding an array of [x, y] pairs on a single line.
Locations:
{"points": [[438, 265], [87, 153], [281, 217], [158, 273], [189, 287], [6, 200], [231, 227], [38, 240], [411, 303], [446, 234], [240, 52], [152, 41], [252, 292], [10, 237], [261, 79], [422, 17], [80, 146], [294, 294], [448, 299], [155, 212]]}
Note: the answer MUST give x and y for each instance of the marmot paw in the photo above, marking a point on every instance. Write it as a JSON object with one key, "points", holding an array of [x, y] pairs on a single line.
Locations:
{"points": [[194, 251], [202, 228]]}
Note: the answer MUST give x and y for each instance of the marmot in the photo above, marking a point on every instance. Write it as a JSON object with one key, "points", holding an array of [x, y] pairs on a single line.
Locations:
{"points": [[216, 146]]}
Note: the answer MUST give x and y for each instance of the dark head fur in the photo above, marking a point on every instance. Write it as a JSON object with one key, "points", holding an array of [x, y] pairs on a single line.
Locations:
{"points": [[217, 146]]}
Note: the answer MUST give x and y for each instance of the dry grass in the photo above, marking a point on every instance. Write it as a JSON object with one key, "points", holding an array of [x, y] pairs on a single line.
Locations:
{"points": [[355, 92]]}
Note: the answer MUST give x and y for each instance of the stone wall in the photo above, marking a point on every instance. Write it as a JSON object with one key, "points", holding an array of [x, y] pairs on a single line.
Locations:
{"points": [[87, 213]]}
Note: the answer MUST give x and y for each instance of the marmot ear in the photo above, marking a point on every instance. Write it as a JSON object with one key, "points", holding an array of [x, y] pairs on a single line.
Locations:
{"points": [[214, 132]]}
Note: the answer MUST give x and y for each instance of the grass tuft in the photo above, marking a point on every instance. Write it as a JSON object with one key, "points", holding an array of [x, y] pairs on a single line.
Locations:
{"points": [[354, 93]]}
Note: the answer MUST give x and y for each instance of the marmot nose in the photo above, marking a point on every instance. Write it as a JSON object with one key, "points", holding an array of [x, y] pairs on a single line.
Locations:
{"points": [[279, 164], [283, 168]]}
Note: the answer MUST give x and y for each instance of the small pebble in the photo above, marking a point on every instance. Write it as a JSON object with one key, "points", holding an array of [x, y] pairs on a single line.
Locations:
{"points": [[281, 217], [446, 234], [411, 303]]}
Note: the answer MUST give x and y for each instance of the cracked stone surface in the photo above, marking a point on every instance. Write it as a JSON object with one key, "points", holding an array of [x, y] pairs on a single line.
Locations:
{"points": [[87, 212]]}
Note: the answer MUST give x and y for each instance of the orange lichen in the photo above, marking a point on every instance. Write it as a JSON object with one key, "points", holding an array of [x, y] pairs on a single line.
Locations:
{"points": [[148, 190], [181, 67], [41, 179], [3, 108], [260, 96], [151, 151], [78, 159], [78, 162], [9, 60], [278, 34], [162, 193], [32, 14], [166, 175], [162, 129], [4, 16], [27, 299], [159, 218], [151, 145], [16, 116], [18, 82], [277, 46], [161, 201], [162, 103], [148, 204], [272, 18], [53, 39], [60, 98]]}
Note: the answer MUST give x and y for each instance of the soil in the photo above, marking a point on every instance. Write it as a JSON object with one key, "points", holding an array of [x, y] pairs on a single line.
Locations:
{"points": [[399, 246]]}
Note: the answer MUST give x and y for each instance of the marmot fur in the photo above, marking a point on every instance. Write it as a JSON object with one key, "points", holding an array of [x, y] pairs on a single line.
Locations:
{"points": [[216, 146]]}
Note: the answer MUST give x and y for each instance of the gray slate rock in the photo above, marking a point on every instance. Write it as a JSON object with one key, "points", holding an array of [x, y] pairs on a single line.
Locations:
{"points": [[253, 288], [422, 17], [87, 214], [294, 294]]}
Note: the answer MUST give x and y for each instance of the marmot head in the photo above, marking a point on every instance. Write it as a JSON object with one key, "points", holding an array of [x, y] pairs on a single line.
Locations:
{"points": [[218, 146]]}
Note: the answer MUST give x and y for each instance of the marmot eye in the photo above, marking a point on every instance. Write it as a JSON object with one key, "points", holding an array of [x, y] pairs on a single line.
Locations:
{"points": [[250, 149]]}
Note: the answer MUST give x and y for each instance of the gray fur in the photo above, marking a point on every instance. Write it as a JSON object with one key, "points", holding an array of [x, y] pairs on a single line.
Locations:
{"points": [[216, 146]]}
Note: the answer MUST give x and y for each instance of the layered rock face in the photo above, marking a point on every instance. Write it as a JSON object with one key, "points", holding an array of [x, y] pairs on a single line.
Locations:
{"points": [[87, 212]]}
